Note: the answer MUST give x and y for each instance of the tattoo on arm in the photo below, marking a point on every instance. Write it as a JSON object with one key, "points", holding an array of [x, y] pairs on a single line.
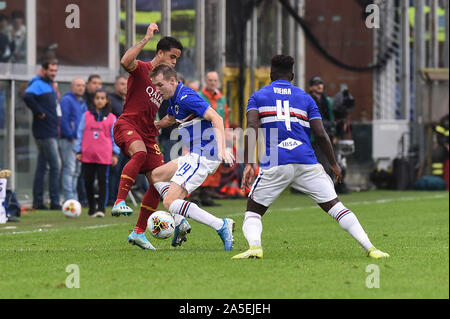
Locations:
{"points": [[142, 42], [129, 59]]}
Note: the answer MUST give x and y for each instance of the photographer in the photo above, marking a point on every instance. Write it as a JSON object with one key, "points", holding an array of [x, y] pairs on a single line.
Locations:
{"points": [[334, 117], [343, 104], [317, 92]]}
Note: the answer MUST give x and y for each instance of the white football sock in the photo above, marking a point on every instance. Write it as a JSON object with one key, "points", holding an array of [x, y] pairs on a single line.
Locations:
{"points": [[252, 228], [348, 221], [177, 218], [162, 188], [191, 210]]}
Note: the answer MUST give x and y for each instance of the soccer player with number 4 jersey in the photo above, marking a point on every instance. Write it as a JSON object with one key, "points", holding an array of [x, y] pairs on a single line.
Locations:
{"points": [[287, 116]]}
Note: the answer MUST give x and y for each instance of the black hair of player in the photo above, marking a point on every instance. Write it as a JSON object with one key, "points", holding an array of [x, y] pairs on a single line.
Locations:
{"points": [[281, 67], [167, 43]]}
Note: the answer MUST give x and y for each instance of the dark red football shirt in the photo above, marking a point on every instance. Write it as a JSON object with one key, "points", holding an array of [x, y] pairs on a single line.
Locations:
{"points": [[141, 102]]}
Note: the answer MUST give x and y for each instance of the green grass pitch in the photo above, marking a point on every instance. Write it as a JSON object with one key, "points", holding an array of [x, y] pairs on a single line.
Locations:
{"points": [[306, 254]]}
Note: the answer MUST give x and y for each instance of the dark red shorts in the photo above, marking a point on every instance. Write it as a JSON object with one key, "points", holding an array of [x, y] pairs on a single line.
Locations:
{"points": [[125, 134]]}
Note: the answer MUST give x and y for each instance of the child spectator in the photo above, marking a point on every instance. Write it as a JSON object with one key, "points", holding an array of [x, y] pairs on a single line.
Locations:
{"points": [[96, 150]]}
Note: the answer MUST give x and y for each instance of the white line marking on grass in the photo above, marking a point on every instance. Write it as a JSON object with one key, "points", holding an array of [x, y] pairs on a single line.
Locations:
{"points": [[46, 230], [100, 226], [366, 202], [21, 249], [378, 201]]}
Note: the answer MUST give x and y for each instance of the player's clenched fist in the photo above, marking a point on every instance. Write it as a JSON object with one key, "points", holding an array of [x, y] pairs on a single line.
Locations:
{"points": [[152, 28]]}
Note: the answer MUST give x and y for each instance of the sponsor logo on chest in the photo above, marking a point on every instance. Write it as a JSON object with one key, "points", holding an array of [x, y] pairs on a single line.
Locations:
{"points": [[154, 96], [289, 144]]}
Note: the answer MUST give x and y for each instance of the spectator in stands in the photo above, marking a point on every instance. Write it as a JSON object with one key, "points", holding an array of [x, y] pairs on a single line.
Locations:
{"points": [[195, 85], [40, 97], [5, 49], [72, 108], [93, 84], [323, 102], [17, 37], [97, 151], [212, 95], [117, 97], [4, 22]]}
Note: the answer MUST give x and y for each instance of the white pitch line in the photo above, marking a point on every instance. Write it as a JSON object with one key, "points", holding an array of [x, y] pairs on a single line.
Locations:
{"points": [[46, 230], [376, 202]]}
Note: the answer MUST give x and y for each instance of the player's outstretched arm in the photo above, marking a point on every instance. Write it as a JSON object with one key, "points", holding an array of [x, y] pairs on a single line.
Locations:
{"points": [[325, 145], [128, 60], [166, 121], [217, 122]]}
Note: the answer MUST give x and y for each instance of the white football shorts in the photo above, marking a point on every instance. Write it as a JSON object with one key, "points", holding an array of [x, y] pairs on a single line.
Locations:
{"points": [[310, 179], [193, 170]]}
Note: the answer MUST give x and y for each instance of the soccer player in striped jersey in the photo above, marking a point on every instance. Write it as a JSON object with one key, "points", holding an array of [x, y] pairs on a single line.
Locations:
{"points": [[288, 115], [135, 134], [202, 131]]}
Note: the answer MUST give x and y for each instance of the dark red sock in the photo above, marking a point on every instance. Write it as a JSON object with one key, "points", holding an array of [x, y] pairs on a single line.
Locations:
{"points": [[129, 174], [149, 204]]}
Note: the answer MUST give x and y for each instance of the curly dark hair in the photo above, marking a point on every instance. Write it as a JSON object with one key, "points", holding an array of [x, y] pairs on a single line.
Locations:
{"points": [[282, 67]]}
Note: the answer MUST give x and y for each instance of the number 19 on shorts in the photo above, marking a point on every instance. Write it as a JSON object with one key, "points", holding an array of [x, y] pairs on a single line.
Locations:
{"points": [[183, 169]]}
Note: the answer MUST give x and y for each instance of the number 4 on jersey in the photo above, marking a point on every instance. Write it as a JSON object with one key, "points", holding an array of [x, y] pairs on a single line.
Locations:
{"points": [[284, 113]]}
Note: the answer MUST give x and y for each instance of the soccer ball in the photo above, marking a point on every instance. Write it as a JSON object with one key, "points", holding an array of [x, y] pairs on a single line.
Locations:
{"points": [[71, 208], [161, 224]]}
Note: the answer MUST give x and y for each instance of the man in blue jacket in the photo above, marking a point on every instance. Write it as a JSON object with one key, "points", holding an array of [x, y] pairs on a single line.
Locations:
{"points": [[41, 98], [72, 109]]}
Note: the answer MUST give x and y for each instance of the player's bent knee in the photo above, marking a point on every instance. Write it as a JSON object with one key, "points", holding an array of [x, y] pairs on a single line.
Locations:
{"points": [[328, 205], [136, 146], [164, 173], [156, 175], [168, 200], [255, 207]]}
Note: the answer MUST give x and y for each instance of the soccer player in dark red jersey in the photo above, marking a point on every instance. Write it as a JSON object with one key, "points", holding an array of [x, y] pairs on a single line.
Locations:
{"points": [[135, 133]]}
